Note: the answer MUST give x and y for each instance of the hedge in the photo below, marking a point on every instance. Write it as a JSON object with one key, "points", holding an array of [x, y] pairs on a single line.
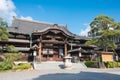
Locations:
{"points": [[6, 65], [112, 64], [89, 63], [22, 66]]}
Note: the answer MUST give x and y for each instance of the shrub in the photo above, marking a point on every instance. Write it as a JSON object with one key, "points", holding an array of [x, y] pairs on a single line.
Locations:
{"points": [[13, 56], [6, 65], [89, 63], [118, 64], [1, 66], [10, 49], [22, 66], [112, 64]]}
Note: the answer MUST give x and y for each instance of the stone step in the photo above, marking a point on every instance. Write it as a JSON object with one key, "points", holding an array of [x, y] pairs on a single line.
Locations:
{"points": [[78, 65]]}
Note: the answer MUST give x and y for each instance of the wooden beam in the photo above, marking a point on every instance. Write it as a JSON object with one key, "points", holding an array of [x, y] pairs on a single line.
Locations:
{"points": [[53, 41]]}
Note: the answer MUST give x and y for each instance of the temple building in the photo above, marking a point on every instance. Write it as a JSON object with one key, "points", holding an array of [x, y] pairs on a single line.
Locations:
{"points": [[46, 41]]}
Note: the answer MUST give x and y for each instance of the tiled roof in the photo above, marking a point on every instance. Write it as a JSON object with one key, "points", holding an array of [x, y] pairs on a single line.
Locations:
{"points": [[22, 48], [81, 37], [30, 26], [19, 40], [23, 26], [26, 26]]}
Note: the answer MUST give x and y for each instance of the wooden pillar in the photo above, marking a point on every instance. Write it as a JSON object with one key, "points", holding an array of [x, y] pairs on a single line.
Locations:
{"points": [[40, 50], [65, 49]]}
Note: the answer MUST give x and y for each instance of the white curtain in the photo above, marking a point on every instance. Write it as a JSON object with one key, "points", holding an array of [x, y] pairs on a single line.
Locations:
{"points": [[50, 51], [61, 52], [45, 51]]}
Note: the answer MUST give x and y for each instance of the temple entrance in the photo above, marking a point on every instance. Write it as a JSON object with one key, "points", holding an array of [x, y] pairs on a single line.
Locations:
{"points": [[52, 54], [52, 44], [48, 54]]}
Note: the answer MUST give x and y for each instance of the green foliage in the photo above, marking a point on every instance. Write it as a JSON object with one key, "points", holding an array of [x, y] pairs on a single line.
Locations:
{"points": [[13, 56], [116, 25], [110, 45], [22, 66], [101, 22], [112, 64], [89, 63], [3, 30], [109, 33], [103, 44], [102, 26], [92, 42], [10, 49], [6, 65]]}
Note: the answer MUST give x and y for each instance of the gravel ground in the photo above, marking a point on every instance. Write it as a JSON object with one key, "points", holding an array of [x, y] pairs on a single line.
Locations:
{"points": [[61, 74]]}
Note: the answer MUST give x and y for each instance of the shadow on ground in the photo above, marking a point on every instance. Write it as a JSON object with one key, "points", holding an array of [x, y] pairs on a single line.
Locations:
{"points": [[61, 66], [79, 76]]}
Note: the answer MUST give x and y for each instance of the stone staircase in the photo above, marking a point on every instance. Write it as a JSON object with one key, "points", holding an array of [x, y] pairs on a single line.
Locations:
{"points": [[79, 65], [56, 65]]}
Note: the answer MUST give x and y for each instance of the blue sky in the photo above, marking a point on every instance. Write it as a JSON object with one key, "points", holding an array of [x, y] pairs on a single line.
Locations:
{"points": [[77, 14]]}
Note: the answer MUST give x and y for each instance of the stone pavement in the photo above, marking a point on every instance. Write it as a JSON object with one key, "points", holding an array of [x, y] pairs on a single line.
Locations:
{"points": [[56, 65], [61, 74]]}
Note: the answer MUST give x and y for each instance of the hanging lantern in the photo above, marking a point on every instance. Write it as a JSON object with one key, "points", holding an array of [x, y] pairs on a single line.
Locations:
{"points": [[34, 53], [80, 54]]}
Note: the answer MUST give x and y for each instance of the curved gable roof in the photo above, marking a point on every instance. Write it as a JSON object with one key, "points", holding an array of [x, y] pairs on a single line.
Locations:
{"points": [[56, 28]]}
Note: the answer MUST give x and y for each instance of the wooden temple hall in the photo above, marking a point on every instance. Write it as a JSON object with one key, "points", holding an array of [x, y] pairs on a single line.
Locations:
{"points": [[46, 41]]}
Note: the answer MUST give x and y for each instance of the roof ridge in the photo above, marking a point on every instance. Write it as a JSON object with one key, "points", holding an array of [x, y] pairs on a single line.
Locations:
{"points": [[35, 21]]}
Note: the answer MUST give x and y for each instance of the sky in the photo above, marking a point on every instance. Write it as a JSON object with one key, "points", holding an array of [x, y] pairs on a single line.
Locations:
{"points": [[76, 14]]}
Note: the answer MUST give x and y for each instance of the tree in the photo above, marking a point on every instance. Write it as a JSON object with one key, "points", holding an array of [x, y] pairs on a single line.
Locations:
{"points": [[11, 49], [3, 30], [12, 54], [99, 24], [103, 31]]}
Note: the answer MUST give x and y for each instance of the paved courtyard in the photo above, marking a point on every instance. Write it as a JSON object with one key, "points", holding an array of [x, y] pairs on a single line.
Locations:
{"points": [[61, 74]]}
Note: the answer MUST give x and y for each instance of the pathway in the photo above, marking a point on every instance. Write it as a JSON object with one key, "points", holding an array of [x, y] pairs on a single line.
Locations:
{"points": [[61, 74]]}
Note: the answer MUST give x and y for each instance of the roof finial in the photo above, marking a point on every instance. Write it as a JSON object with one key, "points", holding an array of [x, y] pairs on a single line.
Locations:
{"points": [[14, 17], [55, 25]]}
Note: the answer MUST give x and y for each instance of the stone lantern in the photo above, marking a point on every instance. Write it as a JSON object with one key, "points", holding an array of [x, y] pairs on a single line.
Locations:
{"points": [[67, 62]]}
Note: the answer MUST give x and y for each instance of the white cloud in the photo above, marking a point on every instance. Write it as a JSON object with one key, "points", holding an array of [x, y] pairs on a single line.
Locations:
{"points": [[85, 31], [26, 18], [7, 10]]}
